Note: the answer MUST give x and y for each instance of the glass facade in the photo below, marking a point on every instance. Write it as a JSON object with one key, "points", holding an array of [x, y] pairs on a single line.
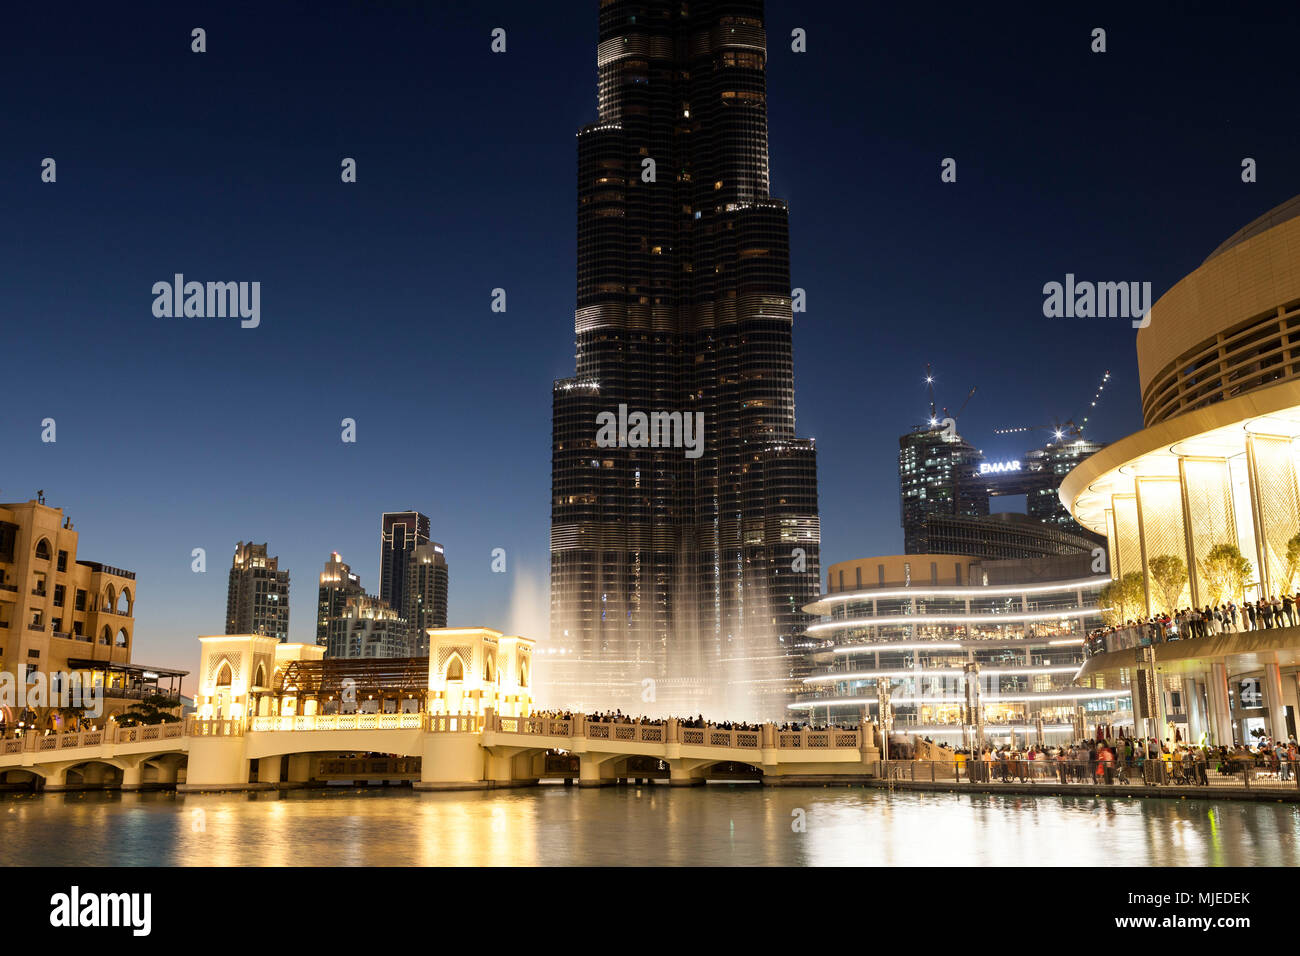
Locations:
{"points": [[1026, 639]]}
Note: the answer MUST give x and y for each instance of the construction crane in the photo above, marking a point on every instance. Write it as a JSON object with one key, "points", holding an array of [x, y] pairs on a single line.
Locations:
{"points": [[929, 384], [1068, 428]]}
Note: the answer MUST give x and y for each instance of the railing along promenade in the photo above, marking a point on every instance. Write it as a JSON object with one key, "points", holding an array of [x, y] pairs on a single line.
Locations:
{"points": [[1084, 776]]}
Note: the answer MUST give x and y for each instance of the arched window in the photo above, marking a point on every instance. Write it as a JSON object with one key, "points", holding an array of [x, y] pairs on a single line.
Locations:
{"points": [[224, 676], [123, 638], [43, 549], [106, 636], [260, 679], [455, 669], [523, 673], [110, 598], [489, 668], [123, 605]]}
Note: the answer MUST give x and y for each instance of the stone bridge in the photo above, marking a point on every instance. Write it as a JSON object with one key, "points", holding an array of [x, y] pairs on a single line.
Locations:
{"points": [[456, 751], [129, 757]]}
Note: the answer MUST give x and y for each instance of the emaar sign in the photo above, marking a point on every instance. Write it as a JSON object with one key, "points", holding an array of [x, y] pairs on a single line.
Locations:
{"points": [[998, 467]]}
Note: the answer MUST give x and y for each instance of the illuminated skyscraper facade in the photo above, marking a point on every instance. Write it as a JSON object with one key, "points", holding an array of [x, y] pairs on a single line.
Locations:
{"points": [[679, 573]]}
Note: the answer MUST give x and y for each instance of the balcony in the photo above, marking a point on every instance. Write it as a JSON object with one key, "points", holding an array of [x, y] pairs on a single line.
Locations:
{"points": [[98, 568], [39, 592], [9, 587], [35, 627]]}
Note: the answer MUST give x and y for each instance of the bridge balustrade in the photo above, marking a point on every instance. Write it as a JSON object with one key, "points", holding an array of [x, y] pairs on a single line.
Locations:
{"points": [[408, 721], [633, 731], [199, 727], [45, 743]]}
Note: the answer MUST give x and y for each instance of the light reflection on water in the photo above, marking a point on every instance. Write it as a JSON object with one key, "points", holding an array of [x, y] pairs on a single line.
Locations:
{"points": [[655, 826]]}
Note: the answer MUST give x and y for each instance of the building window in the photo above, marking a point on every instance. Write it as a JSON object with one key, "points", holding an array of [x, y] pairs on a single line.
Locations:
{"points": [[43, 550], [63, 560], [80, 604], [58, 595]]}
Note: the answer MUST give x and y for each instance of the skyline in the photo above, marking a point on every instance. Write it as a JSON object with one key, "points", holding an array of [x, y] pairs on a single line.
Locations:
{"points": [[171, 446]]}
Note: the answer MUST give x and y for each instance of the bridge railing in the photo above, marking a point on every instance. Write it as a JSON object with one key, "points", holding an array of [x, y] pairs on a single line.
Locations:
{"points": [[672, 732], [817, 739], [456, 723], [408, 721], [168, 731], [536, 726], [631, 732], [713, 737], [204, 727], [113, 734]]}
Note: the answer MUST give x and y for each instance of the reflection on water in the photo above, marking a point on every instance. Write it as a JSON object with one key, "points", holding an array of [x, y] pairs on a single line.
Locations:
{"points": [[657, 826]]}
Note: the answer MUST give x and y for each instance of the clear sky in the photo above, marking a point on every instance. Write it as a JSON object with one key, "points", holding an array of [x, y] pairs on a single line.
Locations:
{"points": [[175, 434]]}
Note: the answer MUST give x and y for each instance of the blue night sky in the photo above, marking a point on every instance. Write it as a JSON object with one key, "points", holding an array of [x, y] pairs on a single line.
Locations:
{"points": [[180, 433]]}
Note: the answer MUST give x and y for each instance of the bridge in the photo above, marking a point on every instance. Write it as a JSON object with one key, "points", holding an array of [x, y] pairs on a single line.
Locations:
{"points": [[275, 715], [455, 751]]}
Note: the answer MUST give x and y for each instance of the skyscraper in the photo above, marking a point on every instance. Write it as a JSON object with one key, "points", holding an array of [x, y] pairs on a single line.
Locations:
{"points": [[680, 562], [938, 474], [257, 599], [426, 594], [337, 585], [367, 627], [401, 533]]}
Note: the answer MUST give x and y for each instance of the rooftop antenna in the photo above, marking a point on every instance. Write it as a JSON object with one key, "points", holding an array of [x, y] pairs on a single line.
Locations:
{"points": [[929, 384]]}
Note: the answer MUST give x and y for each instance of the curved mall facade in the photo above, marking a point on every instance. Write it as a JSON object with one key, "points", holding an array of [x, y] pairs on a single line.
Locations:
{"points": [[1219, 363]]}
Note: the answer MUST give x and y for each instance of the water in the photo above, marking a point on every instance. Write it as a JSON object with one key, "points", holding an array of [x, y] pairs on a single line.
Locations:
{"points": [[655, 825]]}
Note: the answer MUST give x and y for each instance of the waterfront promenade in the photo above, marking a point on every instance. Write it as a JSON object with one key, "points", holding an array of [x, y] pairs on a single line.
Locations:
{"points": [[1156, 779]]}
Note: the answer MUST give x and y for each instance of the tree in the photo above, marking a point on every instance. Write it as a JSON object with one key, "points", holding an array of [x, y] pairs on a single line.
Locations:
{"points": [[1169, 575], [1292, 560], [1122, 600], [154, 709], [1226, 573]]}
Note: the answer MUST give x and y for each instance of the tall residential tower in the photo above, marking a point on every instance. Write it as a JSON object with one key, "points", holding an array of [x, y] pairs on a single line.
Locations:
{"points": [[401, 532], [257, 600], [426, 594], [680, 565]]}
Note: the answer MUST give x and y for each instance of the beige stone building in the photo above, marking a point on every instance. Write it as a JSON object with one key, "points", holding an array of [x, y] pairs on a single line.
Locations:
{"points": [[61, 615]]}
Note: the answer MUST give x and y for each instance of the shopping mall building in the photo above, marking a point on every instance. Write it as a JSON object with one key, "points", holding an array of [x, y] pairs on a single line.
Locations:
{"points": [[1219, 366], [937, 629]]}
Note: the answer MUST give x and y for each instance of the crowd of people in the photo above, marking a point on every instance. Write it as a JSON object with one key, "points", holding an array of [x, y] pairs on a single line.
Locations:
{"points": [[1190, 623], [1120, 759], [696, 722]]}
